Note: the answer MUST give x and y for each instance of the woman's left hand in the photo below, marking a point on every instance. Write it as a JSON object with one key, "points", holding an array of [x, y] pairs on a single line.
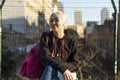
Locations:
{"points": [[67, 75]]}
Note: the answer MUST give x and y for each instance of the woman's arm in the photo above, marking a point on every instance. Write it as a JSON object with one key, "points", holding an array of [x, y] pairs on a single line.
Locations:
{"points": [[72, 62], [73, 59]]}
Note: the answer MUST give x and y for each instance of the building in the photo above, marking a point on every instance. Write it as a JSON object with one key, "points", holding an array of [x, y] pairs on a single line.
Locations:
{"points": [[102, 36], [13, 39], [35, 19], [29, 17], [78, 16], [32, 9], [90, 26], [80, 29], [13, 15], [24, 12], [57, 6], [47, 8], [104, 14]]}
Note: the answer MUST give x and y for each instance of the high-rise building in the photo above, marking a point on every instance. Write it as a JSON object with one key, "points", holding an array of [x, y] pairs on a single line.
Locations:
{"points": [[78, 16], [104, 14]]}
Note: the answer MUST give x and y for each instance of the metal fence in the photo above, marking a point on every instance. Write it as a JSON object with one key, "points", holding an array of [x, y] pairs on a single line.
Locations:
{"points": [[22, 27]]}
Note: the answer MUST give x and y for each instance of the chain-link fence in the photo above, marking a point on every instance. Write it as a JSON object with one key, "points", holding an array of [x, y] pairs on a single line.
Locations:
{"points": [[96, 21]]}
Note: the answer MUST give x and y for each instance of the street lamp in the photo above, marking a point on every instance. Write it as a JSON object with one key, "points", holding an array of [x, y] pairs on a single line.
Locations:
{"points": [[2, 3], [115, 36]]}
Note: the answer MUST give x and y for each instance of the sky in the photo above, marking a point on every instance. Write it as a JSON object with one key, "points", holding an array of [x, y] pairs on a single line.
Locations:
{"points": [[91, 9]]}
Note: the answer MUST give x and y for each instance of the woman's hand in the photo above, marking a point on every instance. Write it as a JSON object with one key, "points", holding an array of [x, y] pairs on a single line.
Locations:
{"points": [[67, 75]]}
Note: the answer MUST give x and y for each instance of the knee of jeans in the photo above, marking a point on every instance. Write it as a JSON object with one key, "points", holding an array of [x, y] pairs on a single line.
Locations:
{"points": [[49, 68]]}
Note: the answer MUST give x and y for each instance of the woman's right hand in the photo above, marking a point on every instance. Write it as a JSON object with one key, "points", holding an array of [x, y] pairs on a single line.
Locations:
{"points": [[67, 75]]}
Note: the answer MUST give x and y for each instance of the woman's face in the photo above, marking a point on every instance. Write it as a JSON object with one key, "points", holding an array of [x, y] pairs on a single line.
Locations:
{"points": [[56, 23]]}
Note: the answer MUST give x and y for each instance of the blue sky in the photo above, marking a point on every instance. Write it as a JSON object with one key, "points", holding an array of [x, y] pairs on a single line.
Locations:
{"points": [[91, 9]]}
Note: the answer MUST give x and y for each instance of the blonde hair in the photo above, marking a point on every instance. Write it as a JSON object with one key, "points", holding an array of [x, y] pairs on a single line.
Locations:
{"points": [[61, 16]]}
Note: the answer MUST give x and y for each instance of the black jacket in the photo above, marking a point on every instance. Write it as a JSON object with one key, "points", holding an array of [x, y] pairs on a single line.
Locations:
{"points": [[71, 57]]}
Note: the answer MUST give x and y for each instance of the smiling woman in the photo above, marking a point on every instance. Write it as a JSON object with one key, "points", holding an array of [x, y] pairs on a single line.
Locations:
{"points": [[58, 23], [59, 52], [58, 19]]}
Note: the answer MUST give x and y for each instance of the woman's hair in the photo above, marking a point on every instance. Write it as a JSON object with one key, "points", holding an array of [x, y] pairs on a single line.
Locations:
{"points": [[61, 16]]}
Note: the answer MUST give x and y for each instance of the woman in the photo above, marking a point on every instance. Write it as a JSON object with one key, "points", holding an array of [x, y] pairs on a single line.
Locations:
{"points": [[59, 53]]}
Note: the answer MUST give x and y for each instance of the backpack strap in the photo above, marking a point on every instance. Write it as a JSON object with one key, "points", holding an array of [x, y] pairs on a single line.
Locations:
{"points": [[63, 43], [53, 50], [53, 47]]}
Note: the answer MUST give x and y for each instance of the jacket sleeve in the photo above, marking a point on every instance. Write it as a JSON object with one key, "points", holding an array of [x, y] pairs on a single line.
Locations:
{"points": [[73, 59], [45, 55]]}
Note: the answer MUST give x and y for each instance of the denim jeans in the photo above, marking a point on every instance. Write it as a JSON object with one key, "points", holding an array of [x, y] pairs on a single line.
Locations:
{"points": [[50, 73]]}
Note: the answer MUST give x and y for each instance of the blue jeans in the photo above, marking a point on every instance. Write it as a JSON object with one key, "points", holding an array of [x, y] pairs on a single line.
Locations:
{"points": [[50, 73]]}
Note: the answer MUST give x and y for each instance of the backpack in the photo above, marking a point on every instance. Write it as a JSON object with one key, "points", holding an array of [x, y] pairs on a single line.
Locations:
{"points": [[31, 66]]}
